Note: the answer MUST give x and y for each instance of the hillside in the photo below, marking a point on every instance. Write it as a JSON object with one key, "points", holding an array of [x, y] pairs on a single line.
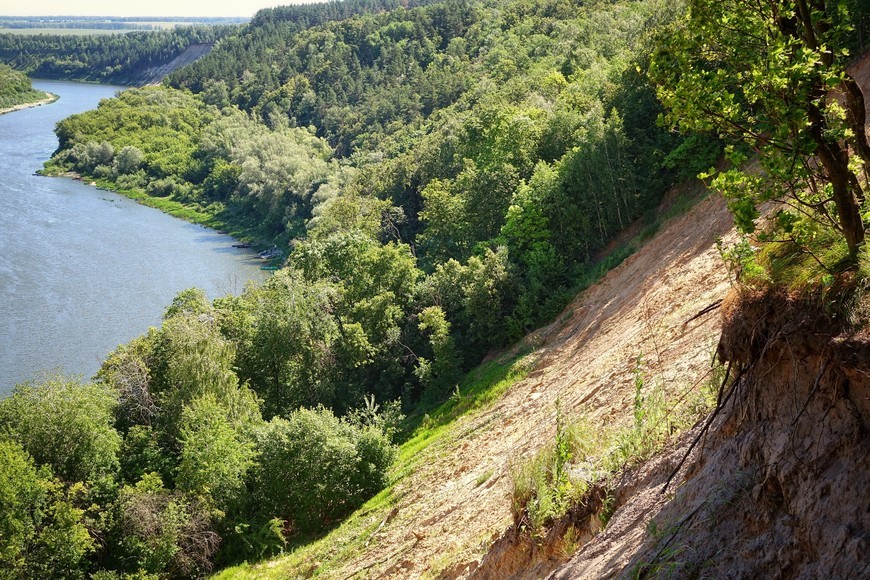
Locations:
{"points": [[155, 75], [501, 305], [763, 494], [131, 59], [442, 520]]}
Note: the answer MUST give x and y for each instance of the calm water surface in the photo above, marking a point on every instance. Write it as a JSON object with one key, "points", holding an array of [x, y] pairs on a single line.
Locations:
{"points": [[84, 270]]}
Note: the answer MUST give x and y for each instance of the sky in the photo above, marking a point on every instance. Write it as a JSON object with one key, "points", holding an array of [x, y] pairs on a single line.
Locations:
{"points": [[137, 7]]}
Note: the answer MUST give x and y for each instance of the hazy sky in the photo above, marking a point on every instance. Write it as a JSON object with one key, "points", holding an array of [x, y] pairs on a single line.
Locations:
{"points": [[137, 7]]}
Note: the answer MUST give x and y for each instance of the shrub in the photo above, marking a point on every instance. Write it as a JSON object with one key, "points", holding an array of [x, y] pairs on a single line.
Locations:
{"points": [[66, 424], [315, 468], [215, 454], [41, 532], [161, 532]]}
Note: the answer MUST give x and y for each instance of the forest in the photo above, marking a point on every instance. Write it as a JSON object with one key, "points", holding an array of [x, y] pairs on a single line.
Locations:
{"points": [[440, 178], [16, 89]]}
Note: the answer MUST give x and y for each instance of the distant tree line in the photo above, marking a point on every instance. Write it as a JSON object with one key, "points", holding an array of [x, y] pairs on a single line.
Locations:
{"points": [[107, 58]]}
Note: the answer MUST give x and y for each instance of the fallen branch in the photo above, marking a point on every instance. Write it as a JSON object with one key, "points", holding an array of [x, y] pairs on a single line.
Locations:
{"points": [[716, 304], [386, 520]]}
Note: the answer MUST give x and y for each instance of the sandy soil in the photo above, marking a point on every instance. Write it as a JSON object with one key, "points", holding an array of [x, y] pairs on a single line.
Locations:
{"points": [[445, 521], [779, 489], [155, 75]]}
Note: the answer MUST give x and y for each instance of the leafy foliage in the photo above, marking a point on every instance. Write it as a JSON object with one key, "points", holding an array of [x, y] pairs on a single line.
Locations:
{"points": [[41, 531], [761, 78], [441, 177], [15, 89], [65, 424], [314, 468]]}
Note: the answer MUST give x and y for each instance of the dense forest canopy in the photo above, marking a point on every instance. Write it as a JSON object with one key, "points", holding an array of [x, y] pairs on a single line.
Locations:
{"points": [[439, 177]]}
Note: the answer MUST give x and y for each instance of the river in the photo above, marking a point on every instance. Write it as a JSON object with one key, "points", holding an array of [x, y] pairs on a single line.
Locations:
{"points": [[83, 270]]}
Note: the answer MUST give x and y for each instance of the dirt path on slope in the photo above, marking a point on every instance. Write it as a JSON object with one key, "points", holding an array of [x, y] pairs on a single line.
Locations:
{"points": [[446, 520]]}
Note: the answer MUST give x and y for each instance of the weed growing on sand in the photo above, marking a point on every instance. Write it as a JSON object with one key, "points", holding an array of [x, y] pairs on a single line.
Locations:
{"points": [[571, 542], [652, 422], [483, 478], [543, 487], [547, 485], [608, 506]]}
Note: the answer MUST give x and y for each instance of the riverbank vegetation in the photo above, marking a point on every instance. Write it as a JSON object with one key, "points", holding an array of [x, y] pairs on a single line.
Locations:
{"points": [[441, 179], [16, 89]]}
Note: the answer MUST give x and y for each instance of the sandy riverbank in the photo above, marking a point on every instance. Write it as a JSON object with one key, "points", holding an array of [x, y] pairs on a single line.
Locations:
{"points": [[50, 99]]}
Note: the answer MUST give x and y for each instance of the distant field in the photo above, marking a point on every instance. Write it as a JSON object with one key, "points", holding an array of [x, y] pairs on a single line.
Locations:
{"points": [[68, 31], [164, 24], [88, 31]]}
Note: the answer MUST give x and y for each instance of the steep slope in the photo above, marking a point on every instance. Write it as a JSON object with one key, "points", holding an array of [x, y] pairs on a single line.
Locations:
{"points": [[778, 489], [155, 75], [587, 363], [756, 498], [447, 513], [778, 486]]}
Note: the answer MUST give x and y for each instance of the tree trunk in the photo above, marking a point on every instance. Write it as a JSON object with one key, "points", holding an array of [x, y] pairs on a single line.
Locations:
{"points": [[835, 159], [857, 116]]}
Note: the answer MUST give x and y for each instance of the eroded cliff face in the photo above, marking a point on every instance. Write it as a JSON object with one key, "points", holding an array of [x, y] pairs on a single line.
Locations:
{"points": [[777, 487]]}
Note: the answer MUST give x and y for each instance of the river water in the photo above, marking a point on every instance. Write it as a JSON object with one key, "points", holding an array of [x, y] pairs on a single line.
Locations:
{"points": [[84, 270]]}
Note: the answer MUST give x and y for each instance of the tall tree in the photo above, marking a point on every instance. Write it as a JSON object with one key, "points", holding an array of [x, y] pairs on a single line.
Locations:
{"points": [[771, 77]]}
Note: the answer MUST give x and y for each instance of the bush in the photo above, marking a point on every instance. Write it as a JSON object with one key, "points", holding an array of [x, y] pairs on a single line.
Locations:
{"points": [[315, 468], [66, 424], [215, 454], [41, 532], [161, 532]]}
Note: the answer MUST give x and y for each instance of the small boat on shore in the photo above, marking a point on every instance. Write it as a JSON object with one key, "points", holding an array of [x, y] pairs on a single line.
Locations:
{"points": [[270, 268], [270, 254], [242, 245]]}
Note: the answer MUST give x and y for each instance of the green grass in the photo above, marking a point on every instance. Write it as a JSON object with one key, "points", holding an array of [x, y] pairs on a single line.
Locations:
{"points": [[322, 555], [549, 483], [480, 388]]}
